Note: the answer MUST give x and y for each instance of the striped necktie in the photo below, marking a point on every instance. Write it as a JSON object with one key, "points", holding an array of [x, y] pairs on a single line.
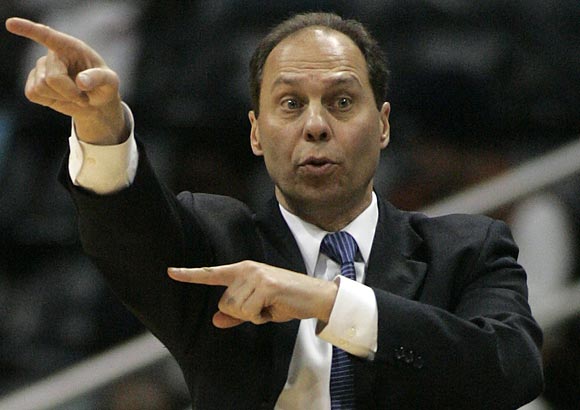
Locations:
{"points": [[342, 248]]}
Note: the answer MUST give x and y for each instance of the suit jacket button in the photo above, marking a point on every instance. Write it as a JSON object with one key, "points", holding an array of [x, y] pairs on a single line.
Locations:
{"points": [[400, 353], [418, 363]]}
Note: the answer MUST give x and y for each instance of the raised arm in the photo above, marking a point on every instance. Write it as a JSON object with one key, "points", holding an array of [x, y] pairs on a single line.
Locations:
{"points": [[74, 80]]}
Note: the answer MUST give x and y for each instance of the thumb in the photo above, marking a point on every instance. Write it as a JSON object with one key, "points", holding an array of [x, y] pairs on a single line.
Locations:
{"points": [[223, 321], [93, 78]]}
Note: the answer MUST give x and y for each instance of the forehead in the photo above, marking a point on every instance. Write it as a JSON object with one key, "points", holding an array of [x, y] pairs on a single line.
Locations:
{"points": [[315, 52]]}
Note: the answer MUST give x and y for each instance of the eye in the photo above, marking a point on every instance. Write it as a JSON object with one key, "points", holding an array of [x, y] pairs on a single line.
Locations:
{"points": [[343, 103], [291, 104]]}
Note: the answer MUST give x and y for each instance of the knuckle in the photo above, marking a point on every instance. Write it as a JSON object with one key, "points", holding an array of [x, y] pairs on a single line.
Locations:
{"points": [[114, 78], [41, 61], [40, 76], [246, 312], [29, 93], [52, 81], [32, 95], [106, 77], [41, 81], [82, 43], [230, 301], [258, 320], [268, 281], [59, 84], [227, 302], [247, 265]]}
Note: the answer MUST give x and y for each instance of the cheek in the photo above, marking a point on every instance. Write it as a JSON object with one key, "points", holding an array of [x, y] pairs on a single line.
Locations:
{"points": [[368, 141], [276, 154], [277, 141], [275, 149]]}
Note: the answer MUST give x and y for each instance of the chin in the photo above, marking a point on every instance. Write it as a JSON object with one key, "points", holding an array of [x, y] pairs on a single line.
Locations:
{"points": [[321, 198]]}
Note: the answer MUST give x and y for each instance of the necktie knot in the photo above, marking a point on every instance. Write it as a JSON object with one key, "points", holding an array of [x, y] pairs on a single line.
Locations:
{"points": [[340, 247]]}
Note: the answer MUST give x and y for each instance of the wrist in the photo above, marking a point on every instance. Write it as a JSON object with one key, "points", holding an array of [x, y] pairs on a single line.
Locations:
{"points": [[327, 298], [108, 125]]}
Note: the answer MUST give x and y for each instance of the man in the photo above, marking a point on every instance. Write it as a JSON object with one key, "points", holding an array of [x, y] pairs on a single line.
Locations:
{"points": [[434, 314]]}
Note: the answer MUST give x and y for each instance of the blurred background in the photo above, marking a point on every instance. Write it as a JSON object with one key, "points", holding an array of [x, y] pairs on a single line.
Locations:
{"points": [[478, 89]]}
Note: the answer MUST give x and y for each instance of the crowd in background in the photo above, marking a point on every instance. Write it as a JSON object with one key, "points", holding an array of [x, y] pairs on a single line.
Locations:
{"points": [[477, 88]]}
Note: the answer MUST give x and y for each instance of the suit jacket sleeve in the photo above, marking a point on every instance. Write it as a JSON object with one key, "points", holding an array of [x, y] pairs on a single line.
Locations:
{"points": [[134, 235]]}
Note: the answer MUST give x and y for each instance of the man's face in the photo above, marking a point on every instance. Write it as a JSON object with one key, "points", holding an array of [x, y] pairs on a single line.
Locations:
{"points": [[319, 129]]}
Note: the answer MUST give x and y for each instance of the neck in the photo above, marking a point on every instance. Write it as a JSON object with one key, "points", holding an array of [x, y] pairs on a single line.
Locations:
{"points": [[329, 216]]}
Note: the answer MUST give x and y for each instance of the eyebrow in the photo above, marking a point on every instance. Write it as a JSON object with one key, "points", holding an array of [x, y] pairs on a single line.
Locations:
{"points": [[341, 79]]}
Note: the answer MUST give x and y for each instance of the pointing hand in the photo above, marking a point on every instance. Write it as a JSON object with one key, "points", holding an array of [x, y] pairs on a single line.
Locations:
{"points": [[261, 293], [74, 80]]}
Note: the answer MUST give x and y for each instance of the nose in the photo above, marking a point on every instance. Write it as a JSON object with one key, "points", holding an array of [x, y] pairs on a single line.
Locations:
{"points": [[316, 127]]}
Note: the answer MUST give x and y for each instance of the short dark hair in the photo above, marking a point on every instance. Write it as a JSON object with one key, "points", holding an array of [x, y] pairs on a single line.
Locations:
{"points": [[374, 56]]}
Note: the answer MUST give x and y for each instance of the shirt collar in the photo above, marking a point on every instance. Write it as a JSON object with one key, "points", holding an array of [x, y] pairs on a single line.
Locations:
{"points": [[309, 236]]}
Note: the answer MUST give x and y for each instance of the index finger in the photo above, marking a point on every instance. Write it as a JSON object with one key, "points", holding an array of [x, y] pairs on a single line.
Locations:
{"points": [[41, 34], [214, 276]]}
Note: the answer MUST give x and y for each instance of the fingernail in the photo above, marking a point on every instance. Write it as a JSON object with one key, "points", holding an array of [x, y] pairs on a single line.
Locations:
{"points": [[180, 272], [84, 79]]}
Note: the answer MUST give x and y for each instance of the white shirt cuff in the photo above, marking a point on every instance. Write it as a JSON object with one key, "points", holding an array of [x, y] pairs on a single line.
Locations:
{"points": [[353, 321], [103, 169]]}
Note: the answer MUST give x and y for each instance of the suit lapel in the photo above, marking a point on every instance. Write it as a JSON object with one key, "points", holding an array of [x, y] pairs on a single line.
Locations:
{"points": [[392, 264], [280, 249], [393, 268]]}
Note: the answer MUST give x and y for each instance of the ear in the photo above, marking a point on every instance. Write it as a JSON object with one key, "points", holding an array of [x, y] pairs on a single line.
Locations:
{"points": [[255, 135], [384, 123]]}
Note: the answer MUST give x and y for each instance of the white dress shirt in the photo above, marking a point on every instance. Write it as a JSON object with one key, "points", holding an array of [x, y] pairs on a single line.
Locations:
{"points": [[353, 321]]}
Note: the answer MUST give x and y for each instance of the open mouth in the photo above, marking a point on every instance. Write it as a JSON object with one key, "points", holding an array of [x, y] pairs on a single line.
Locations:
{"points": [[316, 161], [317, 166]]}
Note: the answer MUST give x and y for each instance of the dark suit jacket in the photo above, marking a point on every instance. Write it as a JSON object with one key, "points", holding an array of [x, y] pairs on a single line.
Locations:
{"points": [[455, 330]]}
